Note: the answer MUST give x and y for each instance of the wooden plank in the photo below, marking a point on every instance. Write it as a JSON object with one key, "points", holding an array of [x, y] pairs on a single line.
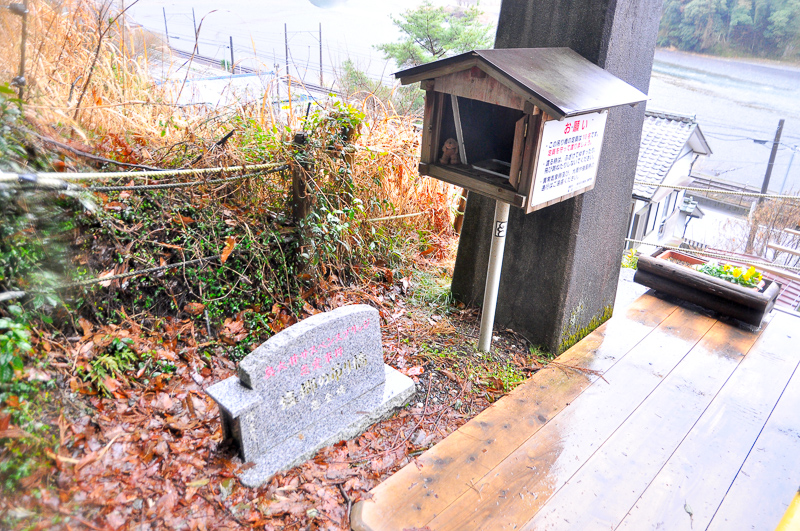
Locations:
{"points": [[474, 183], [535, 402], [442, 71], [436, 134], [448, 469], [611, 481], [423, 487], [783, 249], [520, 485], [462, 152], [770, 475], [702, 469], [518, 151], [532, 149], [511, 85], [780, 272], [427, 152], [485, 89]]}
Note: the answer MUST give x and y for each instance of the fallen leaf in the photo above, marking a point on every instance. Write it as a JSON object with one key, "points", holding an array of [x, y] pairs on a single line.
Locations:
{"points": [[413, 371], [232, 331], [310, 309], [184, 220], [198, 482], [230, 243], [111, 384], [104, 274], [114, 205], [194, 308], [86, 326]]}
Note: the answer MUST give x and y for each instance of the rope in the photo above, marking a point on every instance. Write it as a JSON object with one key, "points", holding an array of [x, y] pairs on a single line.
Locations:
{"points": [[714, 254], [6, 177], [91, 281], [724, 192], [397, 217], [181, 185]]}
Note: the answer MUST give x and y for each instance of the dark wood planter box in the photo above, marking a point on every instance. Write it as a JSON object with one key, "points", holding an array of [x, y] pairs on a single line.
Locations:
{"points": [[745, 304]]}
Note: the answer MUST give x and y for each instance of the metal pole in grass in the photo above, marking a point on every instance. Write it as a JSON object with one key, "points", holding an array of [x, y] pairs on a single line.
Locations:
{"points": [[499, 230], [166, 30], [22, 11], [232, 71], [196, 36]]}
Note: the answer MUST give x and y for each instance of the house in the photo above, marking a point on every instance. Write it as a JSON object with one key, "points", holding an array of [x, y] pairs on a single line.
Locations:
{"points": [[669, 147]]}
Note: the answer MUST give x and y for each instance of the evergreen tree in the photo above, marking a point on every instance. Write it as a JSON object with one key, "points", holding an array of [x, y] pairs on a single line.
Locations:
{"points": [[432, 33]]}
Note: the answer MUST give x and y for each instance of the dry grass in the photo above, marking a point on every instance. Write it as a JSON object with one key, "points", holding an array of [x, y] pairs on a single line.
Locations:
{"points": [[90, 87]]}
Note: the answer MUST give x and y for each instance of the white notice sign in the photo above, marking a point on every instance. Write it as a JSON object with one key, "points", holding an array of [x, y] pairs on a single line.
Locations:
{"points": [[568, 158]]}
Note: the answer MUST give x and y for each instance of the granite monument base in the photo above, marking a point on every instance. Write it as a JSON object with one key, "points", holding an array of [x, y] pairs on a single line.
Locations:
{"points": [[344, 423]]}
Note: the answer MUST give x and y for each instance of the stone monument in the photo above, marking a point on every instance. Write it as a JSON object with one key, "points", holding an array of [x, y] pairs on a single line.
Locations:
{"points": [[319, 381]]}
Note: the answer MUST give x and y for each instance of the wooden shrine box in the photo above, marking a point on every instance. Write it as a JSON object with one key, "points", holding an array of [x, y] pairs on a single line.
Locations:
{"points": [[530, 121]]}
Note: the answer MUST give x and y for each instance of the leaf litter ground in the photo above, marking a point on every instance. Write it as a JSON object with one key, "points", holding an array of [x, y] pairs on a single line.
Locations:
{"points": [[149, 454]]}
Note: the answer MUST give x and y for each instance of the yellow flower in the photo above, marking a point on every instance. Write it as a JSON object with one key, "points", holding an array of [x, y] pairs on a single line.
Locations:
{"points": [[726, 267], [737, 272], [749, 273]]}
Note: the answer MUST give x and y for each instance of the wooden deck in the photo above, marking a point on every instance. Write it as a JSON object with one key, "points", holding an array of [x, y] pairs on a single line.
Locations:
{"points": [[694, 424]]}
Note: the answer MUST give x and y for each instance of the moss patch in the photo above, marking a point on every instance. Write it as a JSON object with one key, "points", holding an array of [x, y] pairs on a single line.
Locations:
{"points": [[570, 337]]}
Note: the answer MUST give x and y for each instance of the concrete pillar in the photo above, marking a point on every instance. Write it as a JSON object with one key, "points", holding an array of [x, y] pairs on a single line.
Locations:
{"points": [[562, 263]]}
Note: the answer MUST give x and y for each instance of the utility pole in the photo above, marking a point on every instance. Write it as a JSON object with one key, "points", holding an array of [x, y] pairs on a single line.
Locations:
{"points": [[286, 44], [196, 36], [231, 37], [753, 224], [166, 30], [320, 55]]}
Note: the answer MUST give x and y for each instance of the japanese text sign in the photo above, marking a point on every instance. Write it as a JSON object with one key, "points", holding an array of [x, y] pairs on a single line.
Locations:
{"points": [[570, 151]]}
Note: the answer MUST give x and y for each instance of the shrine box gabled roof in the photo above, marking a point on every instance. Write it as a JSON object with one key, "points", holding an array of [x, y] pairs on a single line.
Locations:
{"points": [[558, 80]]}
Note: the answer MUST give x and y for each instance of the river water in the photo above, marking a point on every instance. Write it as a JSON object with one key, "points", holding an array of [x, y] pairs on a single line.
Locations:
{"points": [[736, 102]]}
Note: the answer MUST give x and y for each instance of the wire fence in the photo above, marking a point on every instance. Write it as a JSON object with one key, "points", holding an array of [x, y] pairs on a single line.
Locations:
{"points": [[721, 192], [88, 176]]}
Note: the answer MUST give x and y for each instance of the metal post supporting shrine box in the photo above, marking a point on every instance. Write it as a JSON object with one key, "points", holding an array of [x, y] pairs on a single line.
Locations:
{"points": [[523, 126]]}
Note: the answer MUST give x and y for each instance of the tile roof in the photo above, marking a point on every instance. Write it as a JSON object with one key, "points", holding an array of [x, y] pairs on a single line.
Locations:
{"points": [[663, 137]]}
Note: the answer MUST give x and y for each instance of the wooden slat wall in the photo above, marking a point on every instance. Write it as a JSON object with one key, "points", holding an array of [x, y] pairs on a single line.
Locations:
{"points": [[487, 89]]}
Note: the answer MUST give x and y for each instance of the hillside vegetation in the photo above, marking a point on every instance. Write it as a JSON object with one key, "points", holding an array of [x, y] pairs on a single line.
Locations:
{"points": [[761, 28]]}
